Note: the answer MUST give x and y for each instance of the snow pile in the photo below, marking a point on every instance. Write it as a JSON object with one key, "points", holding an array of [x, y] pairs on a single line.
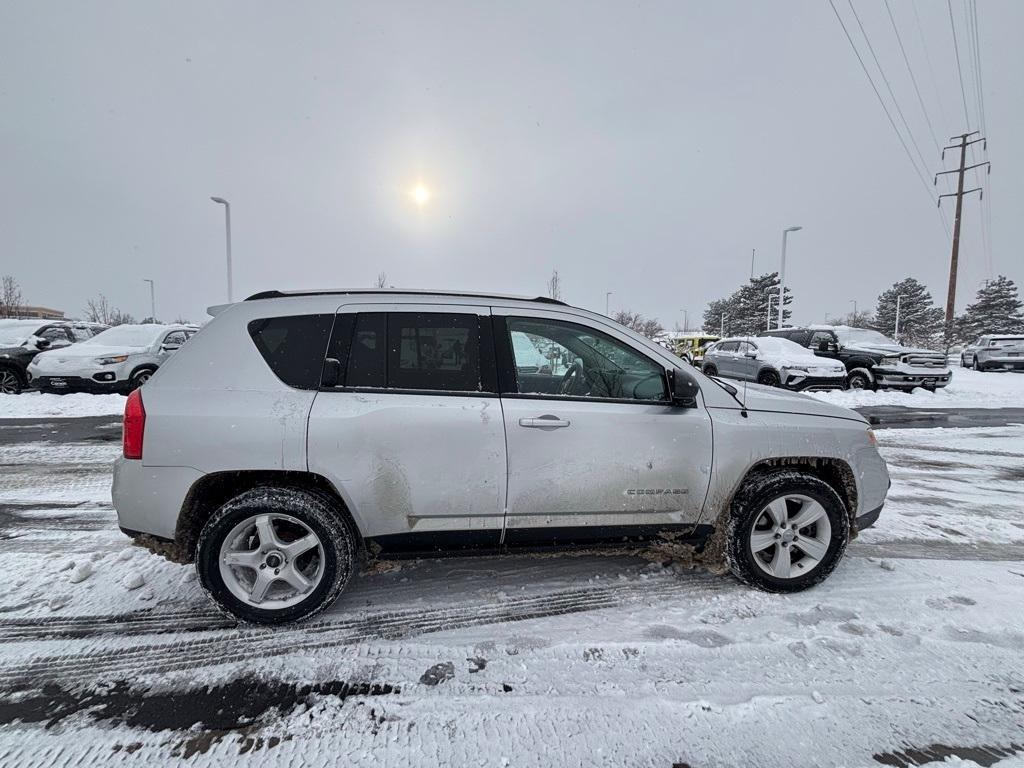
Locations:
{"points": [[968, 389], [33, 405]]}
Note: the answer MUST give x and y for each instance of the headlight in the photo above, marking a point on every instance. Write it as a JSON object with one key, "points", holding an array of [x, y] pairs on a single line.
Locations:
{"points": [[889, 361], [111, 360], [797, 368]]}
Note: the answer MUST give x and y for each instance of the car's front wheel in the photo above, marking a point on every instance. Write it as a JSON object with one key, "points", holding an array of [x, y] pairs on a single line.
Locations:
{"points": [[769, 379], [860, 379], [10, 382], [140, 377], [274, 555], [709, 370], [787, 531]]}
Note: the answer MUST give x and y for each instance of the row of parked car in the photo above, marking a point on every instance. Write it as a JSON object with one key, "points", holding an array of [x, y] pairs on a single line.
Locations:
{"points": [[74, 356], [821, 357]]}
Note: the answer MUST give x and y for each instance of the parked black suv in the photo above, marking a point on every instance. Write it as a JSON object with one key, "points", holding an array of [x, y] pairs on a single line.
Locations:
{"points": [[873, 361], [22, 340]]}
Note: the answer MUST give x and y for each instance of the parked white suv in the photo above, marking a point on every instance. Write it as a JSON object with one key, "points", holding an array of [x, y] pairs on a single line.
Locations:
{"points": [[117, 360], [296, 431]]}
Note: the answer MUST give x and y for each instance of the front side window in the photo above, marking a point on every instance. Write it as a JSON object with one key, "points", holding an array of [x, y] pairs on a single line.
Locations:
{"points": [[558, 358], [175, 338], [820, 340]]}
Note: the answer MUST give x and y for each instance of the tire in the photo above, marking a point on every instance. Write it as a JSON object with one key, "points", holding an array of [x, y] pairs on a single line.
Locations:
{"points": [[859, 378], [963, 362], [979, 368], [140, 377], [10, 381], [749, 513], [709, 370], [769, 379], [327, 566]]}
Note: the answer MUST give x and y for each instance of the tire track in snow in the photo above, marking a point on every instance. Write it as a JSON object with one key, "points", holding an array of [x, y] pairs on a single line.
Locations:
{"points": [[241, 644]]}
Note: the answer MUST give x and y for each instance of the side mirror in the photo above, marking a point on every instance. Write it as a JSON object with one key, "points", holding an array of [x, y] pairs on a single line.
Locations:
{"points": [[40, 343], [331, 375], [683, 388], [751, 355], [170, 347]]}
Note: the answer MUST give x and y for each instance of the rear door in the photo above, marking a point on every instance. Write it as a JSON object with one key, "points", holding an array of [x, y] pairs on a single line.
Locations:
{"points": [[411, 433], [596, 452]]}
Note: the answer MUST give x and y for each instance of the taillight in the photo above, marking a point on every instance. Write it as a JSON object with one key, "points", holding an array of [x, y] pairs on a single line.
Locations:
{"points": [[134, 425]]}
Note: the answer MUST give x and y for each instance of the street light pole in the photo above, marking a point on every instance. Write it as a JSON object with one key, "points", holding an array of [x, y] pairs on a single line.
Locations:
{"points": [[782, 271], [227, 230], [686, 322], [896, 333], [152, 299], [607, 300]]}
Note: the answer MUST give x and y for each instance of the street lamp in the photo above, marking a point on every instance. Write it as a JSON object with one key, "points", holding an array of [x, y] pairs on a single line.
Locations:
{"points": [[152, 299], [686, 321], [782, 271], [607, 299], [896, 334], [227, 230]]}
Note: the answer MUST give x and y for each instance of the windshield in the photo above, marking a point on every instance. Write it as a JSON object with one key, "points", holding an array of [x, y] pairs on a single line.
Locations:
{"points": [[16, 335], [862, 336], [127, 336]]}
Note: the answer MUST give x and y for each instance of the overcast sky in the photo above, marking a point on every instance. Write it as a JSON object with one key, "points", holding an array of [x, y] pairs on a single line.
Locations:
{"points": [[640, 148]]}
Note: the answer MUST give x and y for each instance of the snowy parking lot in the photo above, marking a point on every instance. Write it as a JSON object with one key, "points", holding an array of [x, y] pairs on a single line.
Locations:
{"points": [[913, 651]]}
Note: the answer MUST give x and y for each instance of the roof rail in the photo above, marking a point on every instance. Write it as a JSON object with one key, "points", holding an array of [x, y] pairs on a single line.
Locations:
{"points": [[274, 294]]}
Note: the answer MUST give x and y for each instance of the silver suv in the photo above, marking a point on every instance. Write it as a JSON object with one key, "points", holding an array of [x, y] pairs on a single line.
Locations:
{"points": [[994, 351], [296, 432]]}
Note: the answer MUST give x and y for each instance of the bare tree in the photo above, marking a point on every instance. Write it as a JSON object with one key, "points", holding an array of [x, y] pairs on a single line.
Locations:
{"points": [[100, 311], [555, 286], [382, 279], [648, 326], [10, 297]]}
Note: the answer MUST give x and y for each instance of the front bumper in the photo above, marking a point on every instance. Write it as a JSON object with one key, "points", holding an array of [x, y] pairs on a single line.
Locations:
{"points": [[81, 378], [908, 377], [78, 384], [800, 382]]}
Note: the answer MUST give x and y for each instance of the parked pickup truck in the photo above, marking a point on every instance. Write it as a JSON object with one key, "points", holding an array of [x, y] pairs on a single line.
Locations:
{"points": [[872, 360]]}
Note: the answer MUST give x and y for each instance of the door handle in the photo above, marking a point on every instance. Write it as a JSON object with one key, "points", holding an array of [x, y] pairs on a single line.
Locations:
{"points": [[547, 421]]}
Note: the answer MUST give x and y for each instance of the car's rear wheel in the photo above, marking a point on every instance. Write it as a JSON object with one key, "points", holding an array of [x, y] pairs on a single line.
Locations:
{"points": [[275, 555], [709, 370], [978, 366], [769, 379], [10, 382], [963, 362], [787, 531]]}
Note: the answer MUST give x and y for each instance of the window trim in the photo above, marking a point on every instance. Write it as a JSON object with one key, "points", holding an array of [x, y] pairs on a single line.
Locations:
{"points": [[508, 379]]}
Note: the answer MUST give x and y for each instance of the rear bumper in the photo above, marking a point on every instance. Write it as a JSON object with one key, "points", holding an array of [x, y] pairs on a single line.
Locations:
{"points": [[149, 499]]}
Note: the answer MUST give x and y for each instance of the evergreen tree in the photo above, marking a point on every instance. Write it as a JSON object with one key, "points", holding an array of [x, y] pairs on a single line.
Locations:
{"points": [[746, 310], [921, 322], [997, 309]]}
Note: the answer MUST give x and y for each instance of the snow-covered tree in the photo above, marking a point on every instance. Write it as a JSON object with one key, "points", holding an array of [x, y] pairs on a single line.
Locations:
{"points": [[997, 309], [648, 326], [746, 310], [921, 322]]}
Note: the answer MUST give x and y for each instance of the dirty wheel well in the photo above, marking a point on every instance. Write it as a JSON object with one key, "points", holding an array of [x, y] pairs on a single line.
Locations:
{"points": [[212, 491], [835, 472]]}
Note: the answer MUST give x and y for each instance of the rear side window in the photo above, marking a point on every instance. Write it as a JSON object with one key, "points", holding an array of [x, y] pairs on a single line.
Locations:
{"points": [[367, 363], [434, 351], [293, 347]]}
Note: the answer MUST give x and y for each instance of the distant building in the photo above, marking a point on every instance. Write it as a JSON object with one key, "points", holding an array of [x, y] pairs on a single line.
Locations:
{"points": [[43, 313]]}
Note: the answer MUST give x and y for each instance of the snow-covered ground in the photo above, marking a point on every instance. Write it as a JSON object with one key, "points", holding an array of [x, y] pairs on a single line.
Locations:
{"points": [[968, 389], [912, 651], [34, 405]]}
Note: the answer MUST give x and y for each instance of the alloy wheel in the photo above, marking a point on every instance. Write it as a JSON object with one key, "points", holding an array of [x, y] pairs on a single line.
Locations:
{"points": [[9, 384], [271, 561], [790, 536]]}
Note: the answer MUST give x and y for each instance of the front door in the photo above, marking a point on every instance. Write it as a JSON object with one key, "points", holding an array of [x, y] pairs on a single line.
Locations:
{"points": [[411, 432], [595, 450]]}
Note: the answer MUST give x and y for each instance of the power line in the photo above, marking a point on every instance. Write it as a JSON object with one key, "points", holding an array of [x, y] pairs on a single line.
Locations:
{"points": [[959, 69], [913, 79], [928, 59], [881, 101], [986, 205], [892, 95]]}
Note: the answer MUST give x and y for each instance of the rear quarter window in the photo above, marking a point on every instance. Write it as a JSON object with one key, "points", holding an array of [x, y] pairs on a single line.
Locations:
{"points": [[294, 347]]}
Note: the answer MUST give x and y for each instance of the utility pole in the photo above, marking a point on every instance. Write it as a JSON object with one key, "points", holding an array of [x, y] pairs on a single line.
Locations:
{"points": [[959, 195], [753, 252], [152, 299], [896, 334], [607, 300]]}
